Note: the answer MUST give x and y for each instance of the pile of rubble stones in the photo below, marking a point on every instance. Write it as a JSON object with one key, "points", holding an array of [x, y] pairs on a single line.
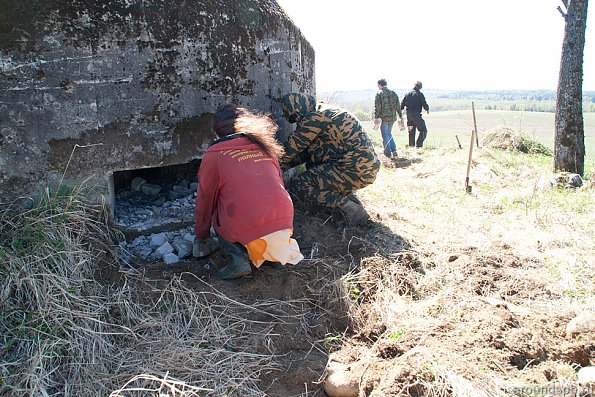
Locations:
{"points": [[168, 247], [145, 207]]}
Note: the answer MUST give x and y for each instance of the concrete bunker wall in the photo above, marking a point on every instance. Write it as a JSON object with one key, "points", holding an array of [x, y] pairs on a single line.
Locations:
{"points": [[90, 88]]}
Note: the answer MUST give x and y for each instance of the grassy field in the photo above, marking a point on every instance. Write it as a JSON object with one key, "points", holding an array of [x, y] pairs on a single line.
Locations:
{"points": [[443, 127]]}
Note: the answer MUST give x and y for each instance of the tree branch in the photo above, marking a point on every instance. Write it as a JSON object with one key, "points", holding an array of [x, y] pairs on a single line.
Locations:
{"points": [[565, 2], [562, 12]]}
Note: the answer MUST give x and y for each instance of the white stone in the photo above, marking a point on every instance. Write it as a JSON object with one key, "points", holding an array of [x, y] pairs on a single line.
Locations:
{"points": [[158, 239], [182, 247], [574, 180], [581, 324], [180, 188], [151, 189], [189, 237], [164, 249], [170, 258], [566, 179], [159, 201], [343, 379], [139, 241], [586, 375]]}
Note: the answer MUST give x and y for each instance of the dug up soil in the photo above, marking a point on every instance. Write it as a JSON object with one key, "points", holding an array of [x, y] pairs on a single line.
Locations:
{"points": [[452, 294]]}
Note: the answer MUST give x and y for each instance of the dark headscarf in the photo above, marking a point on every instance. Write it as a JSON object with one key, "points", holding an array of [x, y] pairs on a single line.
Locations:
{"points": [[225, 117]]}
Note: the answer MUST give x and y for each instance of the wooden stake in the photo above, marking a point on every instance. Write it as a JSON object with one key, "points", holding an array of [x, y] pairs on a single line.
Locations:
{"points": [[467, 185], [475, 125], [459, 142]]}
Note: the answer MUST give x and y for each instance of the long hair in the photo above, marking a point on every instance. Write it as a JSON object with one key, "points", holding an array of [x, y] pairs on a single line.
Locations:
{"points": [[259, 129]]}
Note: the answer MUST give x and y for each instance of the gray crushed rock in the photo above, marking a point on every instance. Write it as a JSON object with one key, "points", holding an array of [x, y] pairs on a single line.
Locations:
{"points": [[146, 209], [142, 206], [176, 243]]}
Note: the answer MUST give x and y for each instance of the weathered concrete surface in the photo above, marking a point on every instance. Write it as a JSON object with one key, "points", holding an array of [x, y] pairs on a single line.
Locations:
{"points": [[88, 87]]}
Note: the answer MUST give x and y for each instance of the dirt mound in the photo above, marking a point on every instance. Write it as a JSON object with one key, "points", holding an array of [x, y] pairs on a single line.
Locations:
{"points": [[468, 315], [297, 313], [510, 139], [467, 309]]}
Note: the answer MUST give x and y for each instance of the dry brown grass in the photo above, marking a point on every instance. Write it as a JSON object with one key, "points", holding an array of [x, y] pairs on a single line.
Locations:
{"points": [[65, 333], [139, 385]]}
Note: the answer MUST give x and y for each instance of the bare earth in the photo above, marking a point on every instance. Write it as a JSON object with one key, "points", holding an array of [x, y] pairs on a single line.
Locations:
{"points": [[441, 293]]}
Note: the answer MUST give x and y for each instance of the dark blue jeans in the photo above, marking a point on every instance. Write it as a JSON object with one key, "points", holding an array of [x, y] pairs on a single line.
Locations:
{"points": [[388, 143], [415, 122]]}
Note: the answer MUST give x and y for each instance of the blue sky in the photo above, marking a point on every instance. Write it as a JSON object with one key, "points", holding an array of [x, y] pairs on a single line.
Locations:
{"points": [[467, 44]]}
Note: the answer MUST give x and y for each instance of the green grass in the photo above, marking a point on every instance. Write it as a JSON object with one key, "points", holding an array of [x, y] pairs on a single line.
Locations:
{"points": [[445, 127]]}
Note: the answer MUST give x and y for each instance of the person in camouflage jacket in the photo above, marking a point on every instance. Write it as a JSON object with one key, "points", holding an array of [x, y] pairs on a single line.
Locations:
{"points": [[386, 108], [338, 154]]}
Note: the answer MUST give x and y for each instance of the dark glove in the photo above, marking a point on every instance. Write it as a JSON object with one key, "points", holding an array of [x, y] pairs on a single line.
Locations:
{"points": [[288, 175], [204, 248]]}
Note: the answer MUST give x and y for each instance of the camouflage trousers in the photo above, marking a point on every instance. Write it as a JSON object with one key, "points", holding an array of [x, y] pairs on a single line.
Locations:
{"points": [[328, 184]]}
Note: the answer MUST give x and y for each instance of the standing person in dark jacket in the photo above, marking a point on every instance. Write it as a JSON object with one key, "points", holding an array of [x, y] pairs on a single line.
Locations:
{"points": [[386, 108], [414, 101]]}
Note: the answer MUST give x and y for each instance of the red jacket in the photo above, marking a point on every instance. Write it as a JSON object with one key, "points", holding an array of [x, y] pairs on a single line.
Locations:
{"points": [[240, 192]]}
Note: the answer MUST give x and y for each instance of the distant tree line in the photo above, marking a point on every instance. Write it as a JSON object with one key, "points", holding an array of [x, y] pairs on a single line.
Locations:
{"points": [[361, 102]]}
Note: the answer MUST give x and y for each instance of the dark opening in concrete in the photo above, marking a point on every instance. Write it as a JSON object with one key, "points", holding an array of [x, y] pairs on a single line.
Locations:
{"points": [[150, 200]]}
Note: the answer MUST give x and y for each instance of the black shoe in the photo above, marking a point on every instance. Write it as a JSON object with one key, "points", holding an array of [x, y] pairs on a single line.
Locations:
{"points": [[355, 214], [273, 265], [236, 266], [234, 269]]}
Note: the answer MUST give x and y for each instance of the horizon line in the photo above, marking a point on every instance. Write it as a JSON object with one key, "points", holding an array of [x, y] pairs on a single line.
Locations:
{"points": [[453, 89]]}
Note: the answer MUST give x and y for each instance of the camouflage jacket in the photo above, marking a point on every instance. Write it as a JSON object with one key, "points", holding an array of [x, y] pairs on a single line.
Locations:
{"points": [[326, 134], [386, 105]]}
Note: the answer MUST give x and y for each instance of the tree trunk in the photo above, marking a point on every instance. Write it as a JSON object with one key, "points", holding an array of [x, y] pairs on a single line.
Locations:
{"points": [[569, 147]]}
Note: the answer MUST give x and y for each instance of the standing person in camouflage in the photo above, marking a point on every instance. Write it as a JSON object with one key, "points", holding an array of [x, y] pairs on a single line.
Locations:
{"points": [[386, 108], [338, 155], [414, 101]]}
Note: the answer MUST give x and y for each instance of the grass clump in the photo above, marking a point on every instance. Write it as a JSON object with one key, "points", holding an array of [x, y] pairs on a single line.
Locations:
{"points": [[46, 315], [506, 138]]}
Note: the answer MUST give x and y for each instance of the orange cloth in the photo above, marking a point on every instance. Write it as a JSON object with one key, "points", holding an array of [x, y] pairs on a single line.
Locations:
{"points": [[275, 247]]}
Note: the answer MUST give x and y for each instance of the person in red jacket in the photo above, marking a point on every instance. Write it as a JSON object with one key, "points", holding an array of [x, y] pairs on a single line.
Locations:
{"points": [[241, 194]]}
